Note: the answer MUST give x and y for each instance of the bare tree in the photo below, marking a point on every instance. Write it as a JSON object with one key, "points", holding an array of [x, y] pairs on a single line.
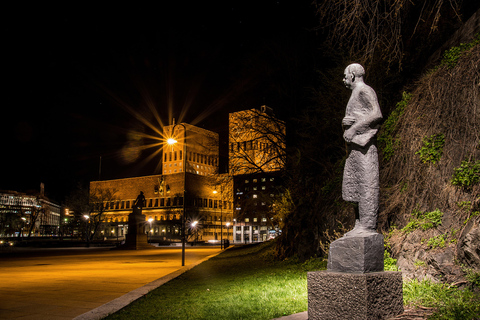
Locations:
{"points": [[257, 142], [371, 29], [91, 205]]}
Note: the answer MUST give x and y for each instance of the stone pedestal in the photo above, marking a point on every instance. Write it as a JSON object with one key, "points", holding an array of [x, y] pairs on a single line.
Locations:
{"points": [[136, 238], [362, 296], [356, 254]]}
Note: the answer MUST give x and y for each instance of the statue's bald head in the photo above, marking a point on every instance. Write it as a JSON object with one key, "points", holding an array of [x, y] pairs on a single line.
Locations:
{"points": [[356, 69], [353, 74]]}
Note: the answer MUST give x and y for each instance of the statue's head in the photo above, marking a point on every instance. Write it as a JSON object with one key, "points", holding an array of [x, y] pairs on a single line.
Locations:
{"points": [[353, 72]]}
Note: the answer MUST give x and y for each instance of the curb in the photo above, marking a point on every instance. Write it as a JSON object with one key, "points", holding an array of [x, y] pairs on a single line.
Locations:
{"points": [[123, 301]]}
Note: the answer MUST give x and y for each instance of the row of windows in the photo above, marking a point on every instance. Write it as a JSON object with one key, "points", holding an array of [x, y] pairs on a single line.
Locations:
{"points": [[248, 145], [157, 202], [192, 156], [261, 179], [166, 202]]}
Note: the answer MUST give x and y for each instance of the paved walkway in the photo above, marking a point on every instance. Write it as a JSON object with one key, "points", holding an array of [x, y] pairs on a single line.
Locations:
{"points": [[67, 283]]}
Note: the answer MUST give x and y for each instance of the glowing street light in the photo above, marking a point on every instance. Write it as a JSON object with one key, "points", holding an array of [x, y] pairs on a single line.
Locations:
{"points": [[150, 230], [171, 142], [221, 216]]}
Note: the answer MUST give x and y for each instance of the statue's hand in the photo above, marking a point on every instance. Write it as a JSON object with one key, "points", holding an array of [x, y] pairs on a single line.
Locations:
{"points": [[348, 135], [348, 121]]}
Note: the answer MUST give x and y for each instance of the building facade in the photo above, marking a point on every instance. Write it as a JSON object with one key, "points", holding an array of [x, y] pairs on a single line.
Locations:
{"points": [[256, 160], [207, 214], [189, 173], [22, 214], [234, 206]]}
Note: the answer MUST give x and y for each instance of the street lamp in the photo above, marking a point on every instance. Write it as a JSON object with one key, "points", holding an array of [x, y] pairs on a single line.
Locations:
{"points": [[150, 230], [87, 217], [24, 221], [172, 141], [194, 227], [228, 225], [221, 217]]}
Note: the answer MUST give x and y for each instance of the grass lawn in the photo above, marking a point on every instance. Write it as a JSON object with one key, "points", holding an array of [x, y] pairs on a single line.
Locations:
{"points": [[240, 283], [247, 283]]}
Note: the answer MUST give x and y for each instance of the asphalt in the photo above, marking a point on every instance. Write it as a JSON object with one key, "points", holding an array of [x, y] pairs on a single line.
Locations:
{"points": [[89, 283]]}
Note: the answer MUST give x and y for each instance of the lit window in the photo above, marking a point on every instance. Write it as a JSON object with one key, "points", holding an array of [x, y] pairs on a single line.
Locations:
{"points": [[254, 219], [254, 180], [264, 219], [254, 188], [246, 181], [247, 220], [254, 196], [272, 179], [263, 188], [263, 179]]}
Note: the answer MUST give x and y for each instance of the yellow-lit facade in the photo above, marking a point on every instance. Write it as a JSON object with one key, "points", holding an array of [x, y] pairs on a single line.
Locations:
{"points": [[201, 150], [206, 211], [256, 142], [256, 159]]}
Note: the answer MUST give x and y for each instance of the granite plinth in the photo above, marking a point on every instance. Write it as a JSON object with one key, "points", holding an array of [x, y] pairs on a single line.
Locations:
{"points": [[136, 238], [354, 296], [356, 254]]}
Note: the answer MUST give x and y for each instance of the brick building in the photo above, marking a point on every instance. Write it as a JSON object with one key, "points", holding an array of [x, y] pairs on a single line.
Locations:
{"points": [[189, 169], [238, 203], [256, 160]]}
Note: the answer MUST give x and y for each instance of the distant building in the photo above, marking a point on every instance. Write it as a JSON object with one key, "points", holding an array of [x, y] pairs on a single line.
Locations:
{"points": [[18, 211], [201, 150], [237, 203], [256, 160], [164, 193]]}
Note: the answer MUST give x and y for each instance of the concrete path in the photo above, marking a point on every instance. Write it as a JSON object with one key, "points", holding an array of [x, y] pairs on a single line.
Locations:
{"points": [[66, 283]]}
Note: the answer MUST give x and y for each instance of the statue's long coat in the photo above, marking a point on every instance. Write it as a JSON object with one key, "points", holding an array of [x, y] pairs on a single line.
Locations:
{"points": [[361, 177]]}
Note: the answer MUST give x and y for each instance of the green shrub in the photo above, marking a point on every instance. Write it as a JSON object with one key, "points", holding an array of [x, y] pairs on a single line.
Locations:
{"points": [[451, 56], [424, 220], [412, 225], [467, 175], [432, 219], [437, 242], [473, 277], [389, 264], [432, 148], [387, 142]]}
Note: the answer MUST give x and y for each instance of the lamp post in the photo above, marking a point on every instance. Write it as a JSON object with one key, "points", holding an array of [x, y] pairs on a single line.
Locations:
{"points": [[21, 230], [150, 230], [194, 227], [221, 217], [87, 217], [228, 226], [171, 141]]}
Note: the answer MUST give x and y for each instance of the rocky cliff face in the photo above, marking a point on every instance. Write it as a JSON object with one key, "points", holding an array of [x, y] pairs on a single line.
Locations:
{"points": [[431, 171]]}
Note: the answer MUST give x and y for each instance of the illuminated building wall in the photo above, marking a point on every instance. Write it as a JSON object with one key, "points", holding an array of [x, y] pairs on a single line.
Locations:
{"points": [[17, 210], [201, 150], [256, 142], [256, 158], [164, 192]]}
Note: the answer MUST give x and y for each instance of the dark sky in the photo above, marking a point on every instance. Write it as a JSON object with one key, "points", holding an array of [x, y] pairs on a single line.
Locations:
{"points": [[85, 81]]}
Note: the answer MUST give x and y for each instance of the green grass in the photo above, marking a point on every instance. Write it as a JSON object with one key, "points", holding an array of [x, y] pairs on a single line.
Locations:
{"points": [[247, 283], [449, 301], [243, 283]]}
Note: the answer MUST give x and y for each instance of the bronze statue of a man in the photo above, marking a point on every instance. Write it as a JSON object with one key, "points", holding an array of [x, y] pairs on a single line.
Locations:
{"points": [[140, 201], [361, 178]]}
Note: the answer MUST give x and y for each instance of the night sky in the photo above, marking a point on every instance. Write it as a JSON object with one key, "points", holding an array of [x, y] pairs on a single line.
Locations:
{"points": [[85, 82]]}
